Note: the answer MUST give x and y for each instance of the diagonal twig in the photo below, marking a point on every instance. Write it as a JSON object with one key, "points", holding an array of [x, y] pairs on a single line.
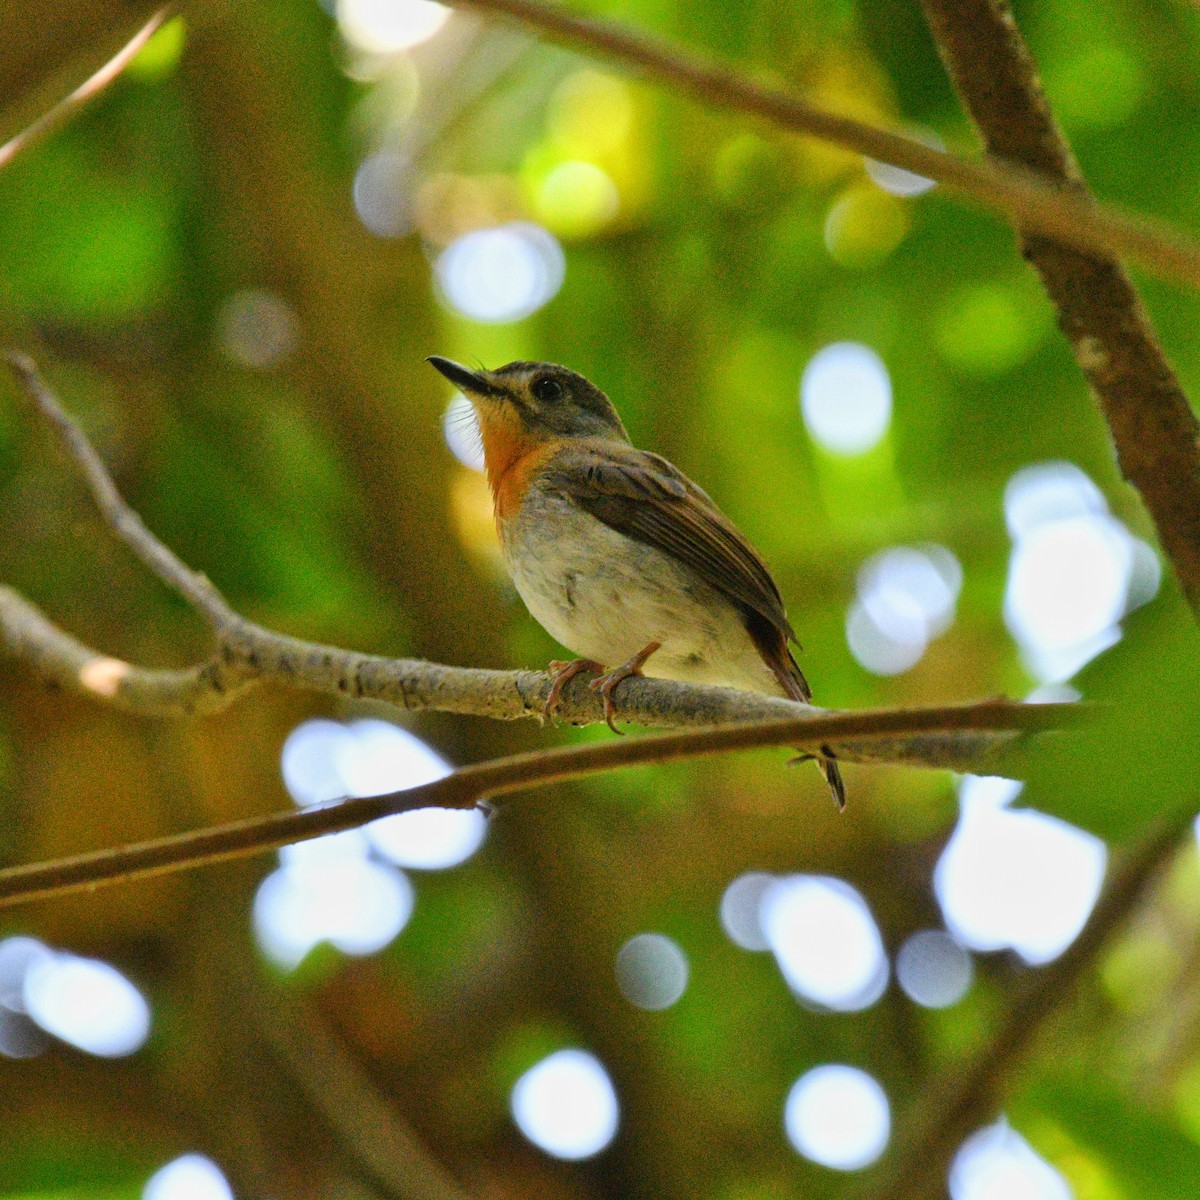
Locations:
{"points": [[1035, 201], [87, 91], [477, 783], [123, 521]]}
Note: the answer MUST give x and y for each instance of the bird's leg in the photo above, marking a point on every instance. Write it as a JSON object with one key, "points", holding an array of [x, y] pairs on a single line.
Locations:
{"points": [[562, 673], [604, 684]]}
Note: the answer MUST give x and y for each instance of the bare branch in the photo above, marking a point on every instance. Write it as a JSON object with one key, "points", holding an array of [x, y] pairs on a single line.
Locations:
{"points": [[87, 91], [49, 48], [365, 1121], [480, 782], [26, 633], [1152, 423], [961, 1098], [1036, 202], [246, 653]]}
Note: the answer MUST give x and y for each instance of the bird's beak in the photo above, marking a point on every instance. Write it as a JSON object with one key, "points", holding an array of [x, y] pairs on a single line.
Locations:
{"points": [[471, 382]]}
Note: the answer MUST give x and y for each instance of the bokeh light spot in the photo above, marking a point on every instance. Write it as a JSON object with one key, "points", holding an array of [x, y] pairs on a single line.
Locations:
{"points": [[17, 955], [460, 427], [933, 969], [501, 274], [429, 839], [838, 1116], [874, 649], [323, 760], [591, 114], [310, 761], [576, 199], [381, 757], [863, 226], [1047, 492], [1077, 99], [1068, 581], [997, 1163], [906, 597], [652, 971], [257, 328], [389, 26], [1075, 570], [19, 1036], [87, 1003], [1016, 880], [987, 329], [356, 905], [825, 941], [899, 181], [846, 398], [741, 908], [566, 1105], [382, 194], [189, 1177]]}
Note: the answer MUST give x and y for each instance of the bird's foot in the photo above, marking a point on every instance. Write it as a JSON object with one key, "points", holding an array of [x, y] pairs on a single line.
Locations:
{"points": [[604, 684], [562, 673]]}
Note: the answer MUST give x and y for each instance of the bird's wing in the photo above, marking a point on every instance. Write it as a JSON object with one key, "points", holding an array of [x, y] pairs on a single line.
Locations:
{"points": [[643, 496]]}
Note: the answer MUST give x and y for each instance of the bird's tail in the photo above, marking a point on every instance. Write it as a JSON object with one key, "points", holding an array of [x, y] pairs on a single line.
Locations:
{"points": [[792, 680], [833, 777]]}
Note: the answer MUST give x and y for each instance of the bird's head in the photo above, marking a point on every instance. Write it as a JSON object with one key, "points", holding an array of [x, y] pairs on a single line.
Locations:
{"points": [[532, 402]]}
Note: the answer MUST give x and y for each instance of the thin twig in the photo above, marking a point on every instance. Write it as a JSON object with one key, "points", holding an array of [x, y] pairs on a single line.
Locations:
{"points": [[961, 1098], [1034, 201], [477, 783], [87, 91], [366, 1123], [1152, 422]]}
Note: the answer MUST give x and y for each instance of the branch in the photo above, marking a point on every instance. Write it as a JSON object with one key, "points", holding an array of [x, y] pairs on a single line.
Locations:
{"points": [[959, 1099], [1156, 433], [968, 738], [65, 109], [367, 1125], [478, 783], [1033, 200], [48, 48]]}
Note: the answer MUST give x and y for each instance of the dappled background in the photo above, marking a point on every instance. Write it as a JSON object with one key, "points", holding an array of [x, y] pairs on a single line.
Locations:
{"points": [[692, 981]]}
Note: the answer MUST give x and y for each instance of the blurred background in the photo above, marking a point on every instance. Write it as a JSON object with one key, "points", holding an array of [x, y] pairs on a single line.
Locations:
{"points": [[690, 981]]}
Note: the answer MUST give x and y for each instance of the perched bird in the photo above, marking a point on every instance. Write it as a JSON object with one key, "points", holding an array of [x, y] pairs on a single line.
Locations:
{"points": [[618, 555]]}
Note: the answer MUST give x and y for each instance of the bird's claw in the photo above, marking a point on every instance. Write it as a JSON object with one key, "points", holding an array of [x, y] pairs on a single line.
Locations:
{"points": [[561, 673], [604, 684]]}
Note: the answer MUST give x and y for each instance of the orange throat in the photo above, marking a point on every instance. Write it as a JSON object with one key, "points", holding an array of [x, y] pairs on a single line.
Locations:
{"points": [[512, 456]]}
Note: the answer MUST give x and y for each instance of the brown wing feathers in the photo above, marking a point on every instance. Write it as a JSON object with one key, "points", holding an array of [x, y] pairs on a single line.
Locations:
{"points": [[645, 497]]}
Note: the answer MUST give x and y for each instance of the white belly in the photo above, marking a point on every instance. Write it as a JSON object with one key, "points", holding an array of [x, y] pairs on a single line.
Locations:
{"points": [[605, 596]]}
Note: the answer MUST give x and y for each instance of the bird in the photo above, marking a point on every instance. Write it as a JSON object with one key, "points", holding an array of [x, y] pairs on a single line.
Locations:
{"points": [[616, 553]]}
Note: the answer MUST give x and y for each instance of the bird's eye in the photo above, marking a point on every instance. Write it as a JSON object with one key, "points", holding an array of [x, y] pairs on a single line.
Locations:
{"points": [[547, 389]]}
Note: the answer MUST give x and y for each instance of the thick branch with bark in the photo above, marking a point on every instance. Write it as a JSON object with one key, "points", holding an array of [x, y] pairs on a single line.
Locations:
{"points": [[1156, 433]]}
